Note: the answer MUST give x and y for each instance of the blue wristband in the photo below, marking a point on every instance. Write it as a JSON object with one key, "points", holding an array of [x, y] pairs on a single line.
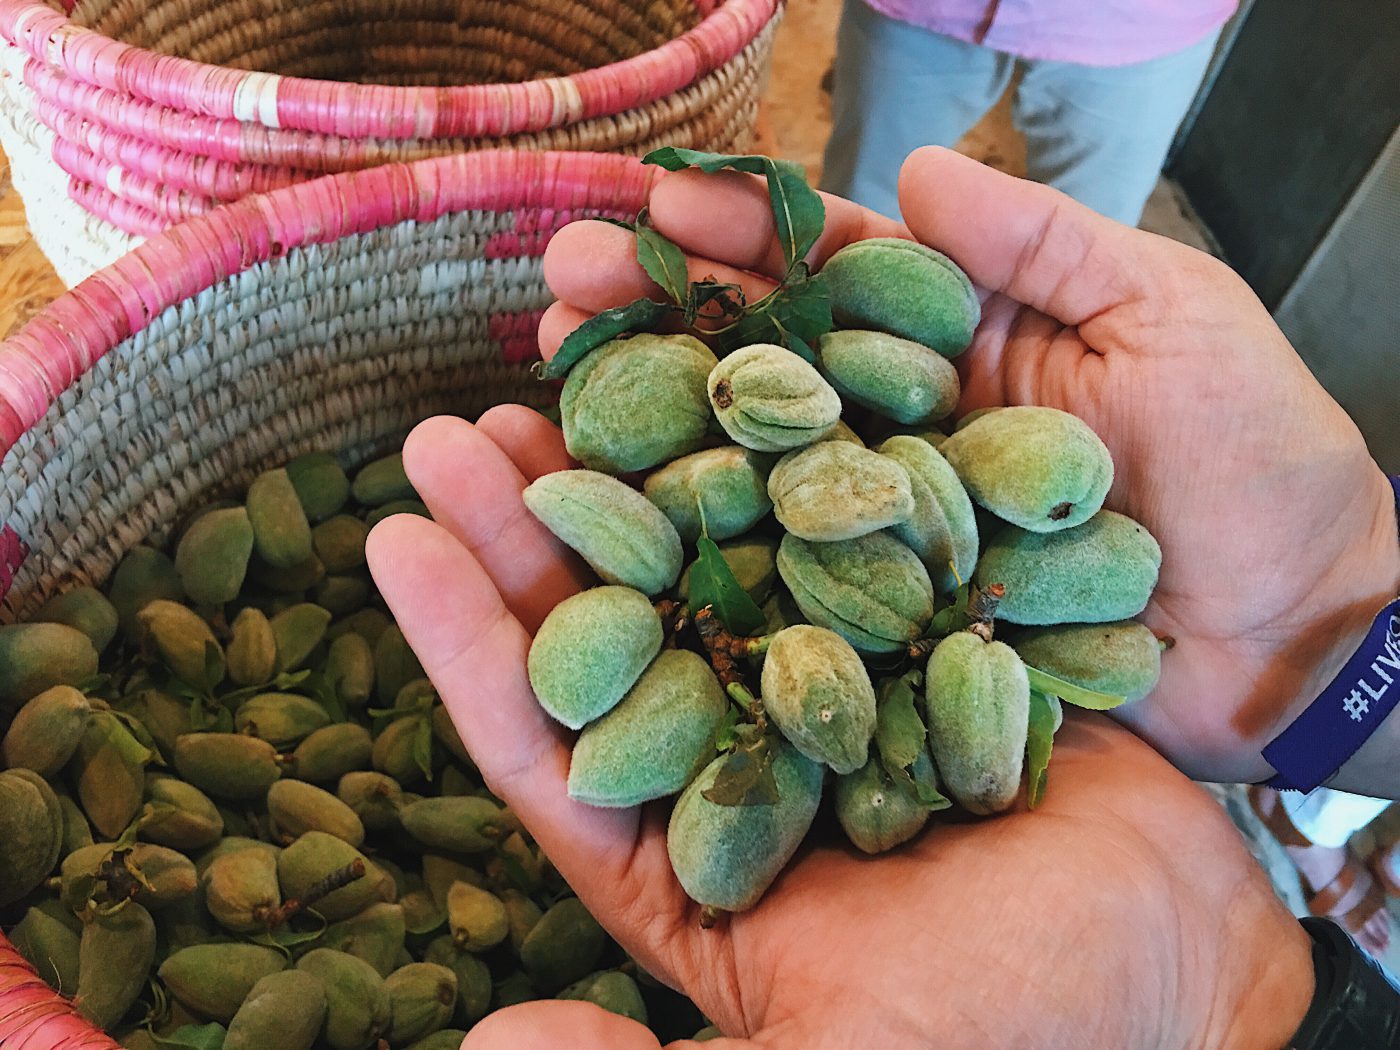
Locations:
{"points": [[1335, 725]]}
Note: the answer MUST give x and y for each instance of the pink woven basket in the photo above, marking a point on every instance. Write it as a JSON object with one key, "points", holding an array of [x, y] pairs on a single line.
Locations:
{"points": [[332, 314], [148, 113]]}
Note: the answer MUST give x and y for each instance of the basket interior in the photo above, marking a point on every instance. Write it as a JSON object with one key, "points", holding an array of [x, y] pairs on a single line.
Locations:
{"points": [[343, 347], [409, 43]]}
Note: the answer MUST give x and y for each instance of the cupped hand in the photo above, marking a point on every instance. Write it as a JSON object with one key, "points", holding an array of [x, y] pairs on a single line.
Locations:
{"points": [[1123, 912], [1278, 529]]}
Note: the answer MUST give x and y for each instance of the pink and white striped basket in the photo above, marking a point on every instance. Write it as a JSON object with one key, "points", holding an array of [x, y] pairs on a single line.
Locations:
{"points": [[122, 117], [333, 314]]}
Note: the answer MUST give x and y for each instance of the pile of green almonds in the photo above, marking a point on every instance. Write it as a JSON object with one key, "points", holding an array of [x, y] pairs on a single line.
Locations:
{"points": [[927, 597], [257, 827]]}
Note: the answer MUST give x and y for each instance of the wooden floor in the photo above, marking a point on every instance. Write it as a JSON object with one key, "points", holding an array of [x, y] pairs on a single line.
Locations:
{"points": [[27, 281]]}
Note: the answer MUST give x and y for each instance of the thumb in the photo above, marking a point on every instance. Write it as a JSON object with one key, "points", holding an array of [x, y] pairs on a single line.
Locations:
{"points": [[1027, 241], [553, 1023]]}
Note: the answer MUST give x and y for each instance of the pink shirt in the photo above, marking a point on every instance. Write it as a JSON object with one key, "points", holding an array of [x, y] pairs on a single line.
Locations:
{"points": [[1090, 32]]}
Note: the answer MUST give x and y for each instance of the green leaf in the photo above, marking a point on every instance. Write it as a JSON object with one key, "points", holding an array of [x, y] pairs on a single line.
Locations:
{"points": [[954, 617], [798, 211], [1039, 741], [746, 778], [640, 315], [1071, 693], [663, 261], [129, 834], [925, 780], [899, 731], [289, 680], [324, 692], [729, 298], [712, 583], [235, 697], [515, 872], [213, 665], [726, 735], [423, 747], [284, 938], [194, 1037], [97, 683], [795, 315]]}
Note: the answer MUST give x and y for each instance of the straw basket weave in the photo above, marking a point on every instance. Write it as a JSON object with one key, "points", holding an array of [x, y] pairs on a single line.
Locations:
{"points": [[333, 314], [122, 117]]}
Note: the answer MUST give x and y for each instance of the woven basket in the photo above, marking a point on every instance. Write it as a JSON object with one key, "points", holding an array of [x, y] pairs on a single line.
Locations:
{"points": [[123, 117], [333, 314]]}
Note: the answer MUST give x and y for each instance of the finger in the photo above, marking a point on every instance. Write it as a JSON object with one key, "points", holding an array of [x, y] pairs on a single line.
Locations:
{"points": [[560, 318], [552, 1024], [1029, 241], [473, 491], [474, 651], [728, 217], [593, 266], [533, 443]]}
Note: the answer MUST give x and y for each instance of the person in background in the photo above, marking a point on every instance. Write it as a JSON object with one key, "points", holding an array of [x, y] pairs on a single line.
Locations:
{"points": [[1104, 85], [1315, 830]]}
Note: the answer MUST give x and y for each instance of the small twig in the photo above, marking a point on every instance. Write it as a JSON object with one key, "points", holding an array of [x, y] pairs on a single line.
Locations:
{"points": [[709, 916], [675, 618], [920, 649], [982, 603], [338, 879]]}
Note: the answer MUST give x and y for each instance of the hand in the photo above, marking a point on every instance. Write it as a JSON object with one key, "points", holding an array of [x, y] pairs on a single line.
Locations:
{"points": [[1124, 912], [1278, 530]]}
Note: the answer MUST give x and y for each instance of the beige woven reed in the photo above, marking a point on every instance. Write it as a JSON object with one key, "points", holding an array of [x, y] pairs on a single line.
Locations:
{"points": [[126, 116], [334, 314]]}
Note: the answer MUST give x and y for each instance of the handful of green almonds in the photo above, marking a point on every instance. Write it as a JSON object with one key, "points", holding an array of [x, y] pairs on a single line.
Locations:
{"points": [[257, 826], [804, 579]]}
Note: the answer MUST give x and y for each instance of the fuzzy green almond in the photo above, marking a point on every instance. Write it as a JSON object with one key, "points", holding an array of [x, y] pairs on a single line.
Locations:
{"points": [[818, 694], [656, 740], [634, 403], [835, 490], [906, 289], [896, 378], [591, 649], [872, 590], [877, 812], [768, 399], [726, 857], [1121, 659], [1039, 468], [1098, 572], [720, 491], [617, 530], [977, 706], [942, 530]]}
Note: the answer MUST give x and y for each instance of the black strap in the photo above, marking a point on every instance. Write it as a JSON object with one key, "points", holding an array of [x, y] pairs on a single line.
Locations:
{"points": [[1356, 1005]]}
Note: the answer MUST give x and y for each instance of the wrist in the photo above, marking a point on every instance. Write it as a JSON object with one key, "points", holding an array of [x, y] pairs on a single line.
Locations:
{"points": [[1360, 583], [1269, 986]]}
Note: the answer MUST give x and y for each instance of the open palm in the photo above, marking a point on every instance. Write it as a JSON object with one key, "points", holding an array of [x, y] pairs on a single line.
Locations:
{"points": [[973, 936], [1277, 528]]}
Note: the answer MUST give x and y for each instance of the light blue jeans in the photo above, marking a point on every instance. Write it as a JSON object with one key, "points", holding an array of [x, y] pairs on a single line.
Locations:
{"points": [[1100, 134]]}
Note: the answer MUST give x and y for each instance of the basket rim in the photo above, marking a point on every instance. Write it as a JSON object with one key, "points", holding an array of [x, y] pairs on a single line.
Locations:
{"points": [[726, 28], [40, 361]]}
